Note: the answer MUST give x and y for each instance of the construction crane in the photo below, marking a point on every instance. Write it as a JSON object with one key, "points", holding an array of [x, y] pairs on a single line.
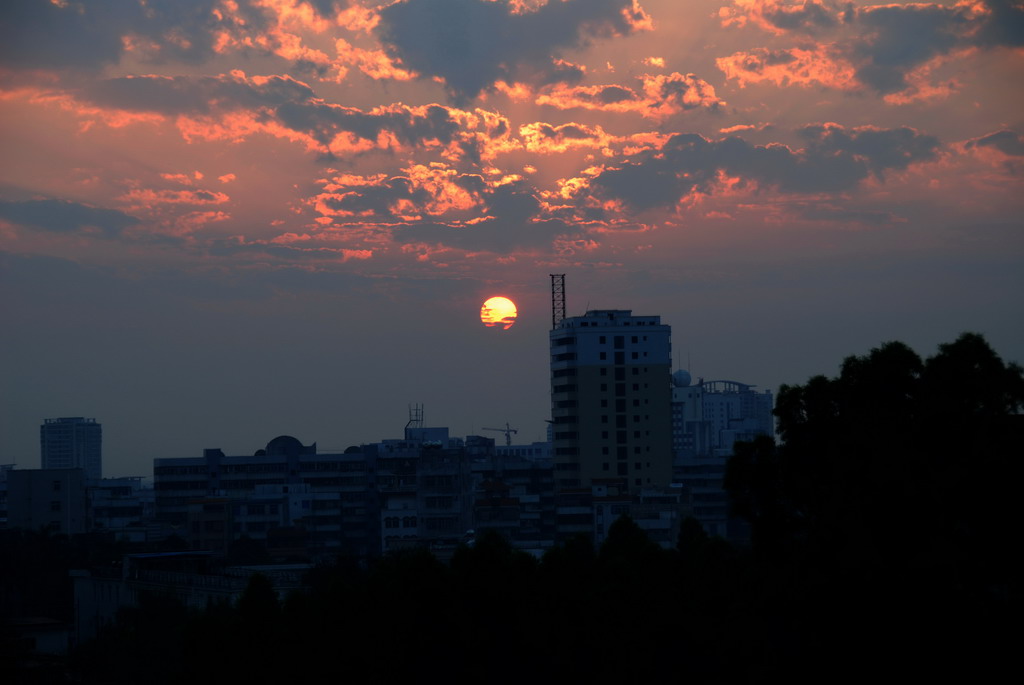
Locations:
{"points": [[507, 430]]}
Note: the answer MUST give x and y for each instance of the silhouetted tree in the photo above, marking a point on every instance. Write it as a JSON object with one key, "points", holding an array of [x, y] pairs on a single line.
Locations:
{"points": [[890, 496]]}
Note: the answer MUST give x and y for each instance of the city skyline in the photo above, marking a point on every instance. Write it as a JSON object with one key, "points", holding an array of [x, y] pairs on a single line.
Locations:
{"points": [[222, 222]]}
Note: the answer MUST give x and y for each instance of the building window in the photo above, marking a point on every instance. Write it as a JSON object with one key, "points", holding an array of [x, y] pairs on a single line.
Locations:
{"points": [[603, 356], [633, 339], [604, 387], [55, 506], [623, 469], [637, 356], [605, 466], [56, 486], [602, 340]]}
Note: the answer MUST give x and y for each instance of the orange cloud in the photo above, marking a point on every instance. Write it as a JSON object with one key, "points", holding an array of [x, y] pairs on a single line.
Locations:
{"points": [[445, 196], [793, 66], [547, 139], [374, 63]]}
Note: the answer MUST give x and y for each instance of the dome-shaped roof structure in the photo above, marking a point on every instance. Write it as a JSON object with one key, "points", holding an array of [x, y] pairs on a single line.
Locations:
{"points": [[284, 444], [681, 378]]}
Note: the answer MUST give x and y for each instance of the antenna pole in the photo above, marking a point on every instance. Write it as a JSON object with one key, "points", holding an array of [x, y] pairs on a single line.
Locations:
{"points": [[557, 299]]}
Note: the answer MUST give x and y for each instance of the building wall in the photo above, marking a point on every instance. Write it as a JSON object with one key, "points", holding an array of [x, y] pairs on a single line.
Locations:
{"points": [[611, 400], [327, 495], [51, 499]]}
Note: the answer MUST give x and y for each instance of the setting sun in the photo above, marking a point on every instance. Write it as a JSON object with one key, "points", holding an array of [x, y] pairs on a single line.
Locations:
{"points": [[498, 311]]}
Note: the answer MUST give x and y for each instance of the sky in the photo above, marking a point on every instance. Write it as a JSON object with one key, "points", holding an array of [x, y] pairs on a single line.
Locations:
{"points": [[227, 220]]}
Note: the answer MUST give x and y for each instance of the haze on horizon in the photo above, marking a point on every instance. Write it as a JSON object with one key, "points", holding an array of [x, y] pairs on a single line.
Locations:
{"points": [[226, 221]]}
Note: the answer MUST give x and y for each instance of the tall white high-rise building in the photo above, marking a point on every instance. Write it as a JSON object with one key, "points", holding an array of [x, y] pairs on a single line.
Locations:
{"points": [[611, 401], [72, 443]]}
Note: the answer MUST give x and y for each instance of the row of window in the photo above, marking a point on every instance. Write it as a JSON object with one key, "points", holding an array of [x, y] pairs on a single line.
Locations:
{"points": [[399, 522]]}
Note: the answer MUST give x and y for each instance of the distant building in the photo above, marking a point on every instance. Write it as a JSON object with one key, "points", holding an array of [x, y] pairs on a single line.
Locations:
{"points": [[215, 499], [708, 418], [72, 443], [122, 508], [736, 412], [514, 494], [48, 499], [611, 401]]}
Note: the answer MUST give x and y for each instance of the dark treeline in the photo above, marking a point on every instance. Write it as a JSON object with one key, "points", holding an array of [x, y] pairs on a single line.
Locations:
{"points": [[628, 612], [884, 527]]}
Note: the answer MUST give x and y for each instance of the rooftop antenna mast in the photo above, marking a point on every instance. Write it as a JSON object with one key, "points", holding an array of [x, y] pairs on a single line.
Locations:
{"points": [[415, 418], [557, 299]]}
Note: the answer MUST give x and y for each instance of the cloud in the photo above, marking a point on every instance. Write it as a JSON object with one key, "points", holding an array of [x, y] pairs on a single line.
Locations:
{"points": [[435, 205], [834, 159], [62, 216], [173, 95], [1008, 142], [547, 138], [777, 17], [77, 35], [472, 44], [892, 50], [235, 106], [658, 97], [149, 199], [789, 66]]}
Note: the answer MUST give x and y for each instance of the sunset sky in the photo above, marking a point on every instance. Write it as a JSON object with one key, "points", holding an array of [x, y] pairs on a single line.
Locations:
{"points": [[226, 220]]}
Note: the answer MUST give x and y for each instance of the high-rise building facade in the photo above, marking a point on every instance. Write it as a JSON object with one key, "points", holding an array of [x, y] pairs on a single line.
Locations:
{"points": [[72, 443], [611, 401]]}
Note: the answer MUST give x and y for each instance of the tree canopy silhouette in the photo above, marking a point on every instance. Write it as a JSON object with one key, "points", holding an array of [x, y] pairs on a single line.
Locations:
{"points": [[897, 466]]}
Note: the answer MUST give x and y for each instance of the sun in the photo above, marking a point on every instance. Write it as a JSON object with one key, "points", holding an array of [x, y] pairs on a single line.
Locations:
{"points": [[498, 311]]}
